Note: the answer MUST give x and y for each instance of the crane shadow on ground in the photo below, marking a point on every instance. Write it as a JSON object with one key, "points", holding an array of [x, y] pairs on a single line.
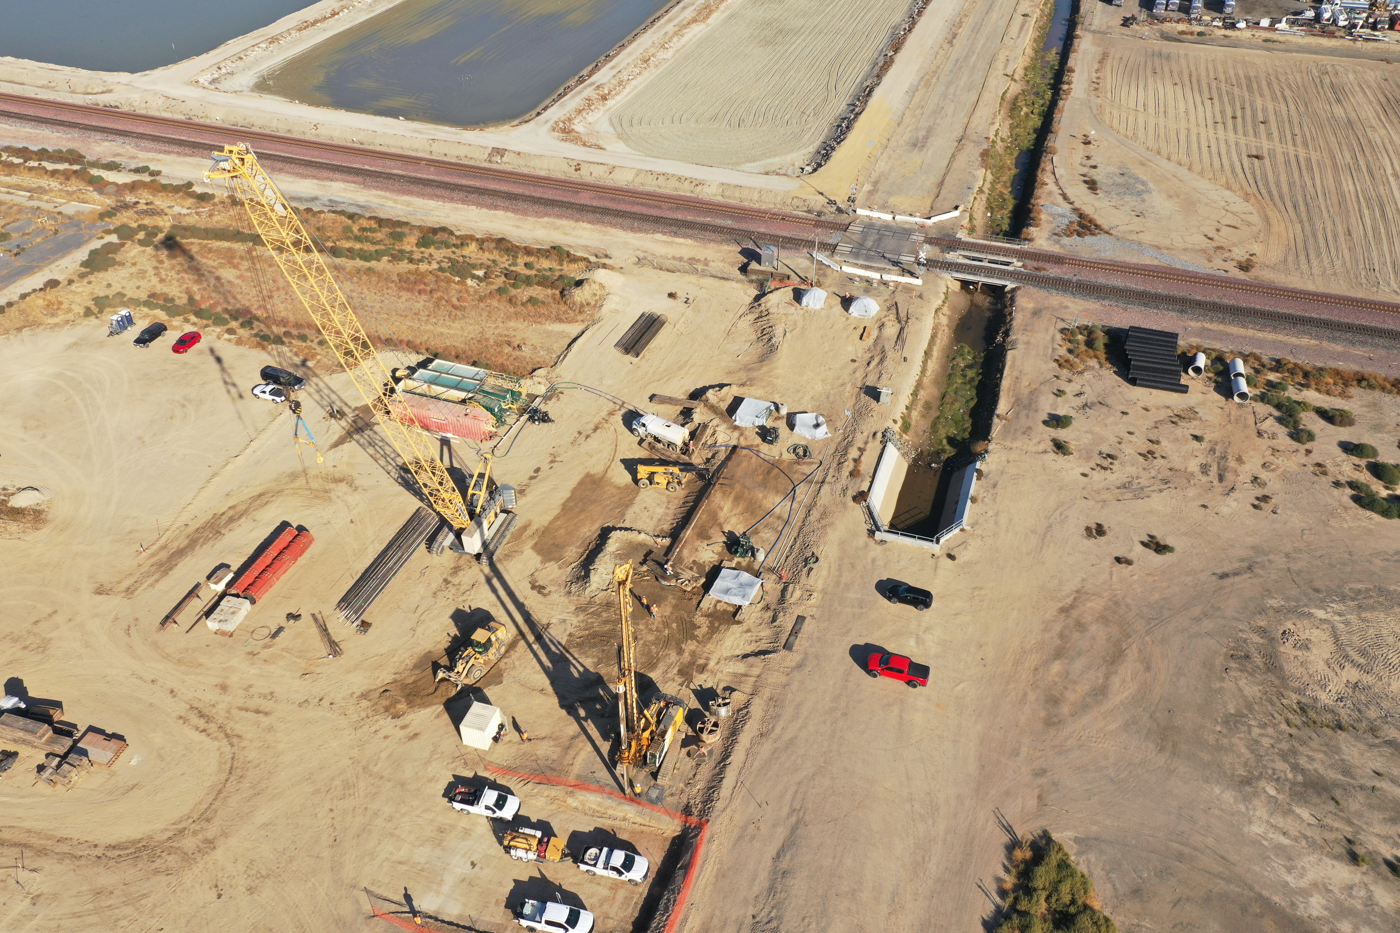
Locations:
{"points": [[581, 692]]}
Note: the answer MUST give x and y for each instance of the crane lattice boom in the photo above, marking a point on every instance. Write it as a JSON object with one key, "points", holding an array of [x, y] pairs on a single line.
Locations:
{"points": [[310, 277]]}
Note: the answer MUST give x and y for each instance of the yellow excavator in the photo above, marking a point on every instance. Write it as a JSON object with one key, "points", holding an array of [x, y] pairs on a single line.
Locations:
{"points": [[304, 265], [646, 734]]}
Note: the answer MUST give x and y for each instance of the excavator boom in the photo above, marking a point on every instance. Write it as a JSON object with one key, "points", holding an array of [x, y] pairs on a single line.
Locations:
{"points": [[310, 277]]}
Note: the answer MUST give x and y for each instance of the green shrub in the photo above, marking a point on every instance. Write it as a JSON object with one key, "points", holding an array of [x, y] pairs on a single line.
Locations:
{"points": [[204, 314], [1363, 451], [1063, 448], [1303, 435], [1387, 473], [219, 320], [503, 290], [1386, 508], [1048, 893], [1290, 421], [1338, 417], [1157, 546], [1355, 485], [1058, 421]]}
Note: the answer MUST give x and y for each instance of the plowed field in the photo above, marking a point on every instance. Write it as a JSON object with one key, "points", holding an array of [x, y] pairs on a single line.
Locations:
{"points": [[763, 86], [1309, 141]]}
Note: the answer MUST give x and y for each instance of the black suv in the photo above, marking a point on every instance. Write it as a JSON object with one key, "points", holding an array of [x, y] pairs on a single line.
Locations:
{"points": [[148, 336], [910, 596], [280, 377]]}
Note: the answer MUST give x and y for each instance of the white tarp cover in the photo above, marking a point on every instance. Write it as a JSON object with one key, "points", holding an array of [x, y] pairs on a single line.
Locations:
{"points": [[809, 424], [862, 307], [735, 587], [753, 412], [813, 298]]}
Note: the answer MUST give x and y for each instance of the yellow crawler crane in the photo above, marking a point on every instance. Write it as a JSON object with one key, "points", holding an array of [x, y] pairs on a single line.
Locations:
{"points": [[310, 277]]}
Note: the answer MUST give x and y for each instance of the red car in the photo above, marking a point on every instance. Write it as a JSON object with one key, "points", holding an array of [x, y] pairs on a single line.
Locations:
{"points": [[185, 342], [898, 667]]}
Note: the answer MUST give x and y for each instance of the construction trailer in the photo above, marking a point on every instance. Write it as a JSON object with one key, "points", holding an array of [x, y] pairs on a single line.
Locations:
{"points": [[481, 725]]}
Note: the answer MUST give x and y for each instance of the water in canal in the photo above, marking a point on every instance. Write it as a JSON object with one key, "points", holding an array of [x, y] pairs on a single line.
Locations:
{"points": [[128, 35], [459, 62]]}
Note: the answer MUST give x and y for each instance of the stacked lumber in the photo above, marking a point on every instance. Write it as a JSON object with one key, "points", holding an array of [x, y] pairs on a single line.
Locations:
{"points": [[21, 730]]}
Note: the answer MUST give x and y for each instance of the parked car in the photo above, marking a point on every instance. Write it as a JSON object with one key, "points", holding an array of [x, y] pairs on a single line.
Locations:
{"points": [[185, 342], [553, 917], [897, 667], [615, 863], [920, 599], [280, 377], [152, 331], [485, 801], [274, 394]]}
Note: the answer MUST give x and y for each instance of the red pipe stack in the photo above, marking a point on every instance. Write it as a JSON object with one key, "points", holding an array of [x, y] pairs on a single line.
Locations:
{"points": [[263, 559], [280, 564]]}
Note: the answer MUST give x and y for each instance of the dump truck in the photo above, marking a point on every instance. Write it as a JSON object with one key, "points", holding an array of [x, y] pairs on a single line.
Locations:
{"points": [[532, 845], [470, 663]]}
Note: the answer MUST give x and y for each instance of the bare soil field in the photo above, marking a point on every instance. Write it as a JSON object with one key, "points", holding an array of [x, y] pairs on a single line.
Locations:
{"points": [[1211, 731], [761, 87], [1263, 173], [267, 786]]}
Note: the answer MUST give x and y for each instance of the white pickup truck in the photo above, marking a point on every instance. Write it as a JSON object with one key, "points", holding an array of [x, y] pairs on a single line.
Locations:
{"points": [[553, 917], [485, 801], [615, 863]]}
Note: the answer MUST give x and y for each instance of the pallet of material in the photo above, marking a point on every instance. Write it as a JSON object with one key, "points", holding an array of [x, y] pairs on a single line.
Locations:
{"points": [[15, 729], [99, 748]]}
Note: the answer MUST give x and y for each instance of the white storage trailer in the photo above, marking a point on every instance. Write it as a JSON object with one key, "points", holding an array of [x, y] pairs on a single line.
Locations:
{"points": [[480, 725]]}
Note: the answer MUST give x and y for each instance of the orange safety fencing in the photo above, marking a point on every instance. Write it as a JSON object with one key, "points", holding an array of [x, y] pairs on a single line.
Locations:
{"points": [[672, 922], [399, 921]]}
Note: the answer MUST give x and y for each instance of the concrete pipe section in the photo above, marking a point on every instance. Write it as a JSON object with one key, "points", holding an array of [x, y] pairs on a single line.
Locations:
{"points": [[1238, 389], [1236, 367], [1198, 365]]}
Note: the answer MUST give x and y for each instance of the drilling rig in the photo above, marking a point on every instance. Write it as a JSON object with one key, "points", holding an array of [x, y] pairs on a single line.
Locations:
{"points": [[646, 734]]}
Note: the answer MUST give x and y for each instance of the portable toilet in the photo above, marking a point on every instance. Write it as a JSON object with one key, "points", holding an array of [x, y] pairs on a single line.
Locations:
{"points": [[481, 724]]}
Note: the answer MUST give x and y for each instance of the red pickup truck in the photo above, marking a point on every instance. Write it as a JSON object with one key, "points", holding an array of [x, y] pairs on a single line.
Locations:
{"points": [[898, 667]]}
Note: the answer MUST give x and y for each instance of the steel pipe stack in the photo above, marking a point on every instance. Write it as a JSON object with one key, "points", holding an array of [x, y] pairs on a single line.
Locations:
{"points": [[264, 558], [382, 570], [279, 565]]}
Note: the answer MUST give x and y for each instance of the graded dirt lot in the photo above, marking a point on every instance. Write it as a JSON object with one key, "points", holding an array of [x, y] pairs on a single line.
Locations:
{"points": [[1211, 731], [761, 87], [1238, 158]]}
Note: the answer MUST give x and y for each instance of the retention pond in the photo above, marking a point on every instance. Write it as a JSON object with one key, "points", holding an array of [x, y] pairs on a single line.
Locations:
{"points": [[459, 62], [136, 35]]}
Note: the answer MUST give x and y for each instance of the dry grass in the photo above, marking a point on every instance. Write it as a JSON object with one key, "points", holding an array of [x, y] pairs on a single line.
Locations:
{"points": [[482, 300]]}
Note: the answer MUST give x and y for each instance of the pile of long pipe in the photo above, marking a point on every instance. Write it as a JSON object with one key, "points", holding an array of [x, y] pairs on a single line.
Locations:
{"points": [[263, 559], [279, 565], [377, 576]]}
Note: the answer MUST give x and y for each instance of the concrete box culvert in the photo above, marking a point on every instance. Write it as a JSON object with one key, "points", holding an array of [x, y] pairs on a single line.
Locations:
{"points": [[1238, 389], [1198, 365]]}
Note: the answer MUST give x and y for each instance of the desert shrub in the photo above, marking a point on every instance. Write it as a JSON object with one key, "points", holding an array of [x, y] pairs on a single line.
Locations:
{"points": [[1385, 508], [1387, 473], [1063, 448], [1363, 451], [1058, 421], [1338, 417], [219, 320], [1047, 893], [1303, 435], [1290, 422], [1157, 546]]}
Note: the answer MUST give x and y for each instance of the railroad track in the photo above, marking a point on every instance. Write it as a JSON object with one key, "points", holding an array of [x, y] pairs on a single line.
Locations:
{"points": [[699, 218], [684, 213], [1126, 294], [1166, 274]]}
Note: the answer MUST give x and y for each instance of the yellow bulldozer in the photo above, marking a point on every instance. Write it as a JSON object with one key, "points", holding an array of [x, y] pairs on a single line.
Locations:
{"points": [[470, 663]]}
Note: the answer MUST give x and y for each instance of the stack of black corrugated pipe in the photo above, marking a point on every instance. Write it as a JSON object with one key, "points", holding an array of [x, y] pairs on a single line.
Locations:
{"points": [[377, 576]]}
